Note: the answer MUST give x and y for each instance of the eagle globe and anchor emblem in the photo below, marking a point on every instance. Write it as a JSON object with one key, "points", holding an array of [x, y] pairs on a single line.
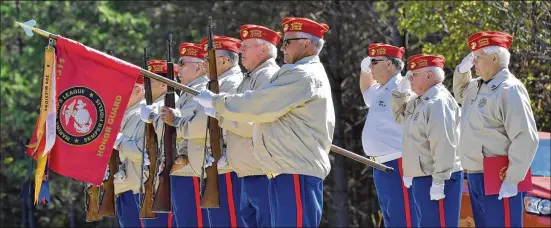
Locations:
{"points": [[81, 116]]}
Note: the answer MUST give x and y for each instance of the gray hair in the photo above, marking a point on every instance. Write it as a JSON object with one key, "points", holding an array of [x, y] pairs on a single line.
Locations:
{"points": [[271, 47], [438, 73], [234, 57], [317, 42], [502, 54], [398, 63]]}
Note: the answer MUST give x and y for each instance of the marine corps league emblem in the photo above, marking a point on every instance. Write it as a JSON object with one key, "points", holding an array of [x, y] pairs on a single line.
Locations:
{"points": [[81, 116], [245, 33], [183, 51], [482, 102]]}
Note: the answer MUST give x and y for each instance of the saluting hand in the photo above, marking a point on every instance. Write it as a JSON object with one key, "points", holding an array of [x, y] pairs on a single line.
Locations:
{"points": [[466, 64]]}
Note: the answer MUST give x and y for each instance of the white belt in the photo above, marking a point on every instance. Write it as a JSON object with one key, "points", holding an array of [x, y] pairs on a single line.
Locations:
{"points": [[387, 158]]}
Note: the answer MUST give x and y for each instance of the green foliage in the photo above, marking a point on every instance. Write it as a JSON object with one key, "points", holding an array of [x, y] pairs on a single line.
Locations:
{"points": [[443, 27], [127, 27]]}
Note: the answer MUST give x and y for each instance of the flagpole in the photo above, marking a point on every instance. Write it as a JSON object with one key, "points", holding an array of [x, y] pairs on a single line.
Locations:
{"points": [[194, 92], [143, 72]]}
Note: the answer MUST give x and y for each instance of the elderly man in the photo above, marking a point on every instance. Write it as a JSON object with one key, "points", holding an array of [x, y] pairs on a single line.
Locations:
{"points": [[150, 114], [258, 54], [497, 121], [294, 122], [431, 134], [192, 128], [382, 136], [129, 143], [184, 180]]}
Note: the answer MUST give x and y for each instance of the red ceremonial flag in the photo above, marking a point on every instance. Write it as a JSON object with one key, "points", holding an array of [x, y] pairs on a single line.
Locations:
{"points": [[93, 90], [494, 174]]}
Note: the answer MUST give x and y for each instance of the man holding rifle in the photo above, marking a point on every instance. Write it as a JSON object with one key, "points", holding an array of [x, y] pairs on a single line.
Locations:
{"points": [[193, 129], [150, 114], [258, 54], [129, 143], [294, 122], [184, 180]]}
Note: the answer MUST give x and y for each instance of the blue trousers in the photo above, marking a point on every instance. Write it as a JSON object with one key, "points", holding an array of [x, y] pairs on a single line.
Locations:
{"points": [[255, 204], [127, 209], [433, 213], [230, 193], [162, 220], [296, 200], [395, 200], [488, 211], [186, 202]]}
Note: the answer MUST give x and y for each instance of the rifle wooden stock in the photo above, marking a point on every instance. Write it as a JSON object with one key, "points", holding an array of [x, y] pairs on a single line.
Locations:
{"points": [[163, 201], [211, 195], [146, 209], [107, 204], [92, 207]]}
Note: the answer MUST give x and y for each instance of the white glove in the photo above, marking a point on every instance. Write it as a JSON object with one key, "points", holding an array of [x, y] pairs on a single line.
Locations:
{"points": [[205, 98], [365, 65], [145, 112], [507, 190], [119, 139], [210, 160], [210, 112], [437, 191], [408, 181], [404, 85], [466, 64], [222, 162]]}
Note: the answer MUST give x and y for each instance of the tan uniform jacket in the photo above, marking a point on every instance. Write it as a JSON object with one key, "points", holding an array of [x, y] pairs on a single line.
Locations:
{"points": [[431, 132], [294, 119], [239, 134], [193, 128], [130, 150], [186, 106], [497, 120]]}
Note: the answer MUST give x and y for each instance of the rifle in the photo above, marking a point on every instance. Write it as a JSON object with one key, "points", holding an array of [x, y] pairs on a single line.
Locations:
{"points": [[107, 194], [92, 204], [107, 199], [211, 197], [163, 202], [146, 200]]}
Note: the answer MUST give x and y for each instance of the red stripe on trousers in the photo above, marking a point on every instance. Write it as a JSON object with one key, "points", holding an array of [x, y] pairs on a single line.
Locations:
{"points": [[298, 199], [229, 188], [441, 211], [406, 195], [507, 212], [141, 223], [197, 202], [170, 219]]}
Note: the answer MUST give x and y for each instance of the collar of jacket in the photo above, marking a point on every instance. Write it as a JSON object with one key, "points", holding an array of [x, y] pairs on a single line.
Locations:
{"points": [[392, 81], [198, 80], [231, 71], [432, 91], [499, 78], [308, 59], [265, 64], [133, 107]]}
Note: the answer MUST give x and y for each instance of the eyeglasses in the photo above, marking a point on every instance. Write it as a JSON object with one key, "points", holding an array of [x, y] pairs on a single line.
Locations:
{"points": [[375, 61], [183, 64], [286, 41], [207, 57]]}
